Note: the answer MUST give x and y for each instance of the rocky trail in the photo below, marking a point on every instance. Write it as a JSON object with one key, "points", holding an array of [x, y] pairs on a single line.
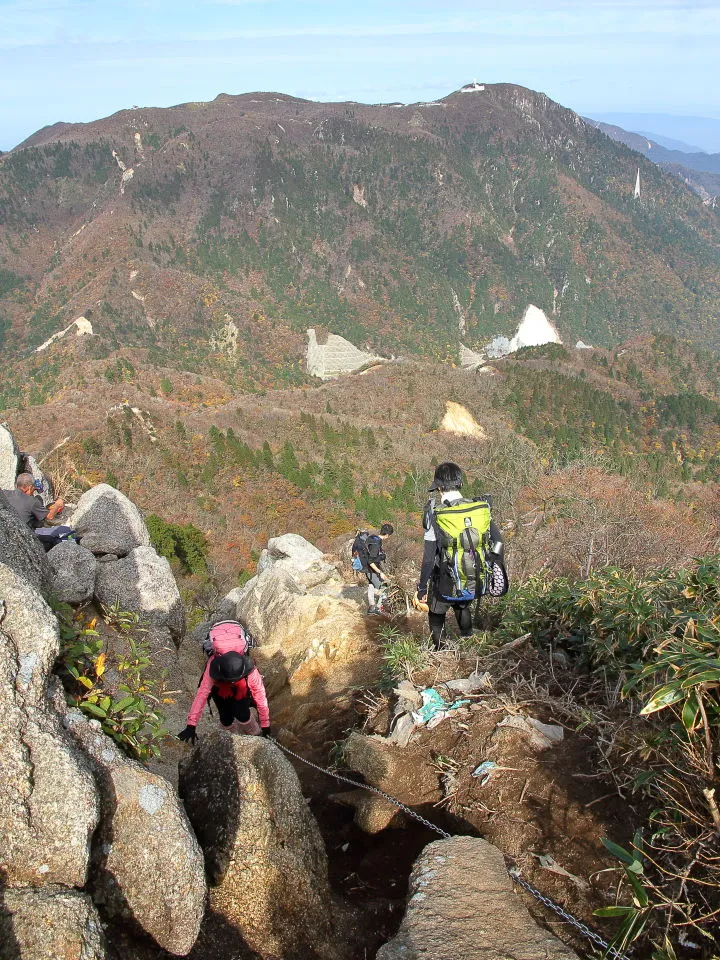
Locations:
{"points": [[234, 849]]}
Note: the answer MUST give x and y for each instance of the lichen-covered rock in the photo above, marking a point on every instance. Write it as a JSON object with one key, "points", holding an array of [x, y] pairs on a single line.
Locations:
{"points": [[33, 630], [48, 802], [461, 906], [107, 522], [373, 757], [269, 604], [9, 458], [20, 549], [264, 853], [74, 568], [50, 924], [147, 865], [142, 582]]}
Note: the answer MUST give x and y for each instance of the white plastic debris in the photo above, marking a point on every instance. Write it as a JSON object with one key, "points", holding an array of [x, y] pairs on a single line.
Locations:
{"points": [[548, 862], [542, 735], [475, 682]]}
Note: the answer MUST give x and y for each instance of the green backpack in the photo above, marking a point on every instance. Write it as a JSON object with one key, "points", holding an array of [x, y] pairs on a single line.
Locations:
{"points": [[462, 531]]}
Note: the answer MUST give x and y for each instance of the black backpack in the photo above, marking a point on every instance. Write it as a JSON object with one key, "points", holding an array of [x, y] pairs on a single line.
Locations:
{"points": [[366, 549]]}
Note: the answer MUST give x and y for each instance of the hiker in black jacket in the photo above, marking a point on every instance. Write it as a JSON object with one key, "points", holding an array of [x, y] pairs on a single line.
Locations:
{"points": [[447, 482], [369, 556]]}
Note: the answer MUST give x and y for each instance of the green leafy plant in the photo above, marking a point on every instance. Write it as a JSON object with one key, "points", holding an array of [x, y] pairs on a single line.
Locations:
{"points": [[656, 640], [402, 653], [634, 917], [690, 667], [117, 691]]}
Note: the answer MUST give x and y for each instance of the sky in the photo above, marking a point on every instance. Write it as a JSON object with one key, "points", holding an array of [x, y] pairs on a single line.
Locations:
{"points": [[79, 60]]}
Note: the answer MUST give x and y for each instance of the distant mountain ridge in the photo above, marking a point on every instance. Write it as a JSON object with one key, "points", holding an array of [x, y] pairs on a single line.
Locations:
{"points": [[703, 131], [699, 170], [407, 229]]}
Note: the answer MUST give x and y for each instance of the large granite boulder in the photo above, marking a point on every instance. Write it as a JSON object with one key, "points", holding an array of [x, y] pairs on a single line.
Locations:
{"points": [[143, 583], [50, 924], [20, 549], [74, 568], [9, 458], [33, 633], [48, 802], [461, 906], [147, 865], [264, 854], [298, 557], [107, 522]]}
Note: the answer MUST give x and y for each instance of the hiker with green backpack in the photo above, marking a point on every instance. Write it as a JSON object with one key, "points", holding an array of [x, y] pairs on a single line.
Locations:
{"points": [[462, 557]]}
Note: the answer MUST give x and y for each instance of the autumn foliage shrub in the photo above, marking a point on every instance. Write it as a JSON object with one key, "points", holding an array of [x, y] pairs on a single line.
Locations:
{"points": [[656, 638]]}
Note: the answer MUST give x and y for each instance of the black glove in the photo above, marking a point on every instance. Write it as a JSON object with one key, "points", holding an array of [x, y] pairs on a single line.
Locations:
{"points": [[266, 732], [188, 734]]}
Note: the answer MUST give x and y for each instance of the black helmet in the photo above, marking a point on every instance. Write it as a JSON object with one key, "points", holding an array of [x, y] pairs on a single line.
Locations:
{"points": [[230, 667], [448, 476]]}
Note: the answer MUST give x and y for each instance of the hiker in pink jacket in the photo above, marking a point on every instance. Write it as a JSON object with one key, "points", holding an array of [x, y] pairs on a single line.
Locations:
{"points": [[233, 683]]}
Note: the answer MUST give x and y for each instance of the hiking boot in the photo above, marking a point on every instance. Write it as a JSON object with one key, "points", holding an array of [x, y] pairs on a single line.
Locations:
{"points": [[372, 611]]}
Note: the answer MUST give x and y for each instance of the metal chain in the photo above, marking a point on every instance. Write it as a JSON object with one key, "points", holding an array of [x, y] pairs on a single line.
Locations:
{"points": [[513, 871], [578, 924], [365, 786]]}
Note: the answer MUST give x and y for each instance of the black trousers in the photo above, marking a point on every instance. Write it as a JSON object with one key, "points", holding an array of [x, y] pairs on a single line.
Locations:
{"points": [[230, 709], [437, 613]]}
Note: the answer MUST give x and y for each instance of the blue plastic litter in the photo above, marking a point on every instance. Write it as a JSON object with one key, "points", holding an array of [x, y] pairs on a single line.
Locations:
{"points": [[433, 705], [484, 771]]}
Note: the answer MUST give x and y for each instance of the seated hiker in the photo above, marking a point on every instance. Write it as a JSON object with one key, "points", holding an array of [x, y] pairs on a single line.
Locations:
{"points": [[28, 505], [232, 681], [41, 481], [368, 556], [462, 557]]}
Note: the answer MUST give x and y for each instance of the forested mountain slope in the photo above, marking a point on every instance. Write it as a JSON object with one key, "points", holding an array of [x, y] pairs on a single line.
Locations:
{"points": [[407, 229]]}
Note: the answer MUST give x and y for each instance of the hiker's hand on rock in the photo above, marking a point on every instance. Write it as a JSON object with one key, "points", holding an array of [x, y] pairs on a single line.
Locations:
{"points": [[188, 735]]}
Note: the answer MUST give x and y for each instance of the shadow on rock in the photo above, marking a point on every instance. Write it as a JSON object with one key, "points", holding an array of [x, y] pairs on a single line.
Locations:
{"points": [[264, 854], [9, 946]]}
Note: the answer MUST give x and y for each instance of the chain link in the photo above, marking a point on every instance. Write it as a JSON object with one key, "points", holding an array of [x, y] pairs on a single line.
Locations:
{"points": [[578, 924], [365, 786], [513, 871]]}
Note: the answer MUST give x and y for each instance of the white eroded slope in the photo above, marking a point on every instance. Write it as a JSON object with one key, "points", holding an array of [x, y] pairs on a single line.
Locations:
{"points": [[535, 329], [82, 325]]}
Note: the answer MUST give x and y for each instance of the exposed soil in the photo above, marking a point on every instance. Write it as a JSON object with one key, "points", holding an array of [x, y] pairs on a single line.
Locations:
{"points": [[557, 804]]}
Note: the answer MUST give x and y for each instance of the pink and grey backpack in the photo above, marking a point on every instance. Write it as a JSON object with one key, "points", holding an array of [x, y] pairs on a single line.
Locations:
{"points": [[230, 630]]}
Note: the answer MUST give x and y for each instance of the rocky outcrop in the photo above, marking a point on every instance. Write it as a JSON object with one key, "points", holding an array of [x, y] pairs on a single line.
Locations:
{"points": [[461, 906], [74, 568], [298, 557], [50, 924], [9, 458], [20, 549], [313, 641], [48, 805], [147, 865], [263, 850], [143, 583], [107, 522]]}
